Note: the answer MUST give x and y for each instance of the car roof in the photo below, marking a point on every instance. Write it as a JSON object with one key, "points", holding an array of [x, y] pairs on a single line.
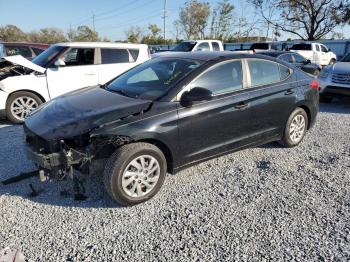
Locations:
{"points": [[101, 44], [24, 44], [275, 53], [207, 55]]}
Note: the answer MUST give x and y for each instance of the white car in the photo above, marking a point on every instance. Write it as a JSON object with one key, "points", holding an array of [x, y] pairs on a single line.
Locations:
{"points": [[315, 52], [62, 68]]}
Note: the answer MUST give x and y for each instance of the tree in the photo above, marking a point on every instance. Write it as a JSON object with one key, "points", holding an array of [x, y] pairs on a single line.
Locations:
{"points": [[155, 30], [134, 34], [222, 19], [193, 18], [308, 19], [47, 36], [154, 37], [83, 33], [11, 33]]}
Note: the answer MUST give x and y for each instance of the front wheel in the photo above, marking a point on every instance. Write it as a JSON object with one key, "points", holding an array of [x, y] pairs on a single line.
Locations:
{"points": [[295, 129], [20, 104], [135, 173]]}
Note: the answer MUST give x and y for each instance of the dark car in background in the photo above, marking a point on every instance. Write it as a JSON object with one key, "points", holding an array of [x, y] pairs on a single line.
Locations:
{"points": [[167, 114], [296, 60], [27, 50]]}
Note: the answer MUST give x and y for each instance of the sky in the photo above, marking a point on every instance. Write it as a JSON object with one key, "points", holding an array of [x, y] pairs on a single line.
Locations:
{"points": [[112, 18]]}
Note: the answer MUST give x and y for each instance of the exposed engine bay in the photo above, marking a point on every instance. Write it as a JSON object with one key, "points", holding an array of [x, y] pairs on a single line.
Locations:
{"points": [[8, 69]]}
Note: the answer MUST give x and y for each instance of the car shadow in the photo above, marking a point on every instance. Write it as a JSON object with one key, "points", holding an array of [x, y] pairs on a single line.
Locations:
{"points": [[339, 105]]}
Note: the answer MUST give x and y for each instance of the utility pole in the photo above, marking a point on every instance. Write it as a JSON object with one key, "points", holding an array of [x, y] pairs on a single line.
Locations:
{"points": [[93, 21], [164, 19]]}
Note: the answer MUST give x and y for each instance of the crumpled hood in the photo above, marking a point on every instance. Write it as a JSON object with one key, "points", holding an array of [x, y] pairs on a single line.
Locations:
{"points": [[78, 112], [20, 60], [340, 68]]}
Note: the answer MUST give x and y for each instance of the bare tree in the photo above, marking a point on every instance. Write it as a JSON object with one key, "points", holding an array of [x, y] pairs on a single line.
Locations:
{"points": [[10, 33], [308, 19], [193, 18], [222, 18]]}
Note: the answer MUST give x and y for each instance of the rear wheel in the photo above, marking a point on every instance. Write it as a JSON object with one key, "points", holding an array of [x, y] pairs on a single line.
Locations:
{"points": [[295, 129], [135, 173], [20, 104]]}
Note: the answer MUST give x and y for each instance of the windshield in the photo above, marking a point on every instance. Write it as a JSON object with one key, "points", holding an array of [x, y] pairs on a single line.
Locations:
{"points": [[346, 58], [46, 57], [153, 78], [184, 47]]}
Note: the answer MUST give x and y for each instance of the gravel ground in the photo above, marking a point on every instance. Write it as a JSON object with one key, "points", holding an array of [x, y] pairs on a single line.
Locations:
{"points": [[264, 203]]}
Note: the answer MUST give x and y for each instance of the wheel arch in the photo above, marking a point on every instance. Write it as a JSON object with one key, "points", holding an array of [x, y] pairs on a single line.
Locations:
{"points": [[29, 91], [308, 113]]}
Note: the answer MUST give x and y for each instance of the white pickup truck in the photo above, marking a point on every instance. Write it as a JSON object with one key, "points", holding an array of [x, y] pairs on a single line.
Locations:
{"points": [[315, 52], [199, 45]]}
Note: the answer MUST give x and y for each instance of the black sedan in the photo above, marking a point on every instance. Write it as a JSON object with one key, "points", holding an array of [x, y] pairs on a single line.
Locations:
{"points": [[167, 114], [296, 60]]}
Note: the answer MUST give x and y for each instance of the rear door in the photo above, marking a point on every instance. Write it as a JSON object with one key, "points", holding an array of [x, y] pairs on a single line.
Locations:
{"points": [[114, 61], [221, 124], [79, 71], [272, 92]]}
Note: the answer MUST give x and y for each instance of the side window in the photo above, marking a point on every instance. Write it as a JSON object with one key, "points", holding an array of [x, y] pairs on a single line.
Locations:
{"points": [[298, 58], [215, 46], [286, 58], [317, 48], [113, 56], [323, 48], [263, 72], [18, 50], [284, 72], [79, 56], [203, 46], [222, 78]]}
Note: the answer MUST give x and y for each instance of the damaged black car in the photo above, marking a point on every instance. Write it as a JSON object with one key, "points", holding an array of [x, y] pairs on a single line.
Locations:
{"points": [[167, 114]]}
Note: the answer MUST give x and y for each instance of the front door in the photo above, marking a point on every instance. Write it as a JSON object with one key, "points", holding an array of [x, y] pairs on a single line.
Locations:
{"points": [[79, 71], [221, 124]]}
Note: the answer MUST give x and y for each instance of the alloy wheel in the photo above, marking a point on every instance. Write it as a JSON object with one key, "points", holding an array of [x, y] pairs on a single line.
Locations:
{"points": [[297, 128], [140, 176], [22, 106]]}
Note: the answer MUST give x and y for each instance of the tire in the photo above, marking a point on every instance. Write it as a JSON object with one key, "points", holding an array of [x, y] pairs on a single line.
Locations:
{"points": [[326, 99], [121, 165], [290, 138], [22, 102]]}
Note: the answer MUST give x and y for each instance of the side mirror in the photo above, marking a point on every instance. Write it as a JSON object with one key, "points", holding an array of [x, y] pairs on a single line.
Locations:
{"points": [[195, 95], [59, 63], [308, 61], [329, 50]]}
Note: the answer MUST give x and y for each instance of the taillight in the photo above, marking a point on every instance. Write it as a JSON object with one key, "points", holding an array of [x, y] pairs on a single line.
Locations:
{"points": [[315, 85]]}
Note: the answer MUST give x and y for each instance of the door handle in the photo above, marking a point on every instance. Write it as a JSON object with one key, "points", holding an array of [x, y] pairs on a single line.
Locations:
{"points": [[241, 105], [90, 74], [289, 92]]}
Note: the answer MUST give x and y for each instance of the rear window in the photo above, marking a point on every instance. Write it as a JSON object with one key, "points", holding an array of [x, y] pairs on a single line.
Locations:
{"points": [[301, 47], [17, 50], [114, 56], [216, 46]]}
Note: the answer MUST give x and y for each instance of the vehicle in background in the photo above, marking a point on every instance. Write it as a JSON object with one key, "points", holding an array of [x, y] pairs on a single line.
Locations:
{"points": [[62, 68], [296, 60], [266, 46], [315, 52], [199, 45], [27, 50], [335, 79], [167, 114]]}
